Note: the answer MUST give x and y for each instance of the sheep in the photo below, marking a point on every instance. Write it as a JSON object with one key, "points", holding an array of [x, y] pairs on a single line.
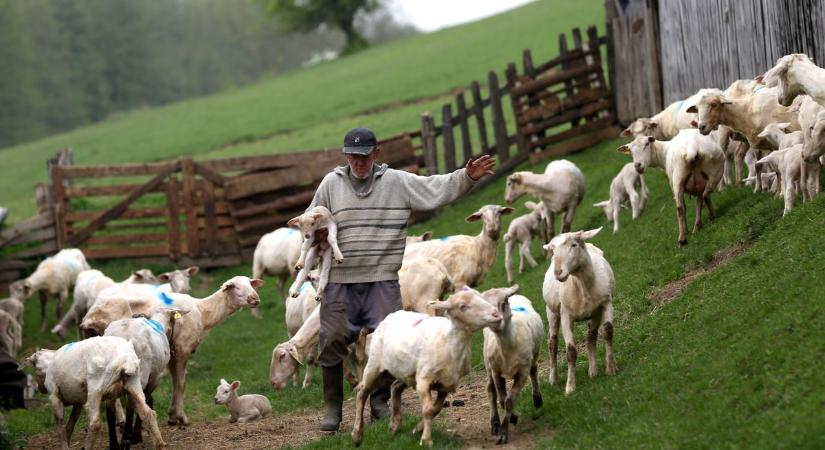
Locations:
{"points": [[467, 258], [178, 280], [622, 189], [277, 254], [521, 230], [11, 334], [512, 352], [665, 125], [693, 163], [14, 308], [191, 329], [422, 280], [747, 116], [150, 338], [560, 188], [814, 147], [87, 373], [244, 408], [298, 311], [87, 287], [579, 285], [54, 276], [790, 165], [426, 236], [320, 245], [796, 74], [426, 353]]}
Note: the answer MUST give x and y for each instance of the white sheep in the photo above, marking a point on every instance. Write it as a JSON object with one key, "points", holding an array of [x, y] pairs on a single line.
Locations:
{"points": [[665, 125], [11, 334], [191, 329], [426, 353], [87, 373], [511, 353], [693, 164], [244, 408], [277, 254], [467, 258], [423, 280], [622, 189], [579, 285], [560, 188], [54, 276], [796, 74], [89, 284], [789, 164], [522, 229], [298, 310], [14, 308], [426, 236]]}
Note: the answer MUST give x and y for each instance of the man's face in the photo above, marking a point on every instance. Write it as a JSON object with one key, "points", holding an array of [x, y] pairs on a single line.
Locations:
{"points": [[361, 165]]}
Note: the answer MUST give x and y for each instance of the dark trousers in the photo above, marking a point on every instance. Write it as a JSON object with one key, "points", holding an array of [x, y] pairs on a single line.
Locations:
{"points": [[347, 308]]}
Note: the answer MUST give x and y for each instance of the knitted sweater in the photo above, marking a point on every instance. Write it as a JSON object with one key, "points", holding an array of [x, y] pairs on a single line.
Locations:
{"points": [[372, 226]]}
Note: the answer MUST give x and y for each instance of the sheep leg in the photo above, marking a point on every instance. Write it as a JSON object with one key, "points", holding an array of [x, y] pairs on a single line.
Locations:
{"points": [[429, 409], [137, 431], [111, 427], [364, 388], [93, 419], [396, 390], [709, 205], [788, 192], [518, 383], [607, 320], [61, 298], [681, 217], [307, 377], [534, 381], [697, 224], [551, 226], [803, 182], [332, 238], [326, 262], [305, 246], [567, 332], [145, 413], [568, 219], [592, 339], [177, 368], [57, 410], [120, 417], [75, 414], [508, 258], [553, 344], [634, 204], [492, 398], [643, 193], [249, 418], [616, 207], [43, 300], [303, 272], [524, 251]]}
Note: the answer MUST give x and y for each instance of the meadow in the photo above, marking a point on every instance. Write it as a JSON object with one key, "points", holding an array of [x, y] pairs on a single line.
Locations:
{"points": [[730, 359]]}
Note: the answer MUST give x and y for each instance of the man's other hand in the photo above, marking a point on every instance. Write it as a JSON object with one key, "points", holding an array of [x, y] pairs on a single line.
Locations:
{"points": [[479, 167]]}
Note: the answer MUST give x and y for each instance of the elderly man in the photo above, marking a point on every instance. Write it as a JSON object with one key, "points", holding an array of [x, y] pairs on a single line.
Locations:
{"points": [[371, 204]]}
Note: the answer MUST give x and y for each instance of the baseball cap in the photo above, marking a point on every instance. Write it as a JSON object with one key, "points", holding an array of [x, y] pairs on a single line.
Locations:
{"points": [[359, 141]]}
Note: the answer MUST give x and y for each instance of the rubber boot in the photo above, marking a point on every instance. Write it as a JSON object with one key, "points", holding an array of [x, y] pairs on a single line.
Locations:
{"points": [[333, 396], [378, 404]]}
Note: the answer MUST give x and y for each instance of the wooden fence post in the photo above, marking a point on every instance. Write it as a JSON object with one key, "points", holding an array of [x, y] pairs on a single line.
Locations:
{"points": [[499, 126], [192, 235], [512, 80], [60, 205], [568, 84], [449, 138], [466, 145], [172, 200], [478, 107], [428, 143]]}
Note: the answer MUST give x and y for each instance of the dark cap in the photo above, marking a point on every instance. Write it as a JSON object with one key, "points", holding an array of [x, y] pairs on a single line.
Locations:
{"points": [[359, 141]]}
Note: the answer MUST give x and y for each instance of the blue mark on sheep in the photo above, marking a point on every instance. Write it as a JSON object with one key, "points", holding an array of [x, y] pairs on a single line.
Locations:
{"points": [[68, 346], [519, 309], [678, 107], [166, 299], [445, 238], [305, 286], [154, 325]]}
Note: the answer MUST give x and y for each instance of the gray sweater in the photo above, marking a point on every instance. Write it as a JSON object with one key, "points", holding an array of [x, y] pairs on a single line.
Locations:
{"points": [[372, 225]]}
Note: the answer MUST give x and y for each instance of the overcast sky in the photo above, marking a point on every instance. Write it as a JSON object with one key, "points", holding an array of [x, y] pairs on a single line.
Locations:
{"points": [[431, 15]]}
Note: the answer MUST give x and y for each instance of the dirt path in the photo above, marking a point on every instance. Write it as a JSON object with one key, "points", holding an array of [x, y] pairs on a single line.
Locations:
{"points": [[471, 423]]}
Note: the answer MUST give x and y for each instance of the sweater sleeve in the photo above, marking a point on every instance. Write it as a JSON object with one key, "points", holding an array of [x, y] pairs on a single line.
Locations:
{"points": [[425, 193], [321, 197]]}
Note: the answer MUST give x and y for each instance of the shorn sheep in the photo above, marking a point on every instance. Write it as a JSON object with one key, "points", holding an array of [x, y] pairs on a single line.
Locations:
{"points": [[298, 311], [578, 286], [794, 75], [426, 353], [422, 280], [277, 254]]}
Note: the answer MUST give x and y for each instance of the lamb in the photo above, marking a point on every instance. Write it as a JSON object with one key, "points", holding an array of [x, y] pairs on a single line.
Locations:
{"points": [[512, 352], [191, 329], [426, 353], [244, 408], [794, 75], [298, 311], [579, 285], [11, 334], [89, 284], [54, 276], [150, 338], [560, 188], [422, 280], [320, 244], [14, 308], [87, 373], [277, 254], [790, 165], [693, 163], [622, 189], [467, 258], [426, 236], [178, 280], [521, 230]]}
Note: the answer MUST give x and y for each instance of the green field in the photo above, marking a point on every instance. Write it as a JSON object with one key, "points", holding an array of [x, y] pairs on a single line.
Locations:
{"points": [[731, 362]]}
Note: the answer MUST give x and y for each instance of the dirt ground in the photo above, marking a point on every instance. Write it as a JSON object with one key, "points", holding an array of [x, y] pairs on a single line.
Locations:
{"points": [[470, 422]]}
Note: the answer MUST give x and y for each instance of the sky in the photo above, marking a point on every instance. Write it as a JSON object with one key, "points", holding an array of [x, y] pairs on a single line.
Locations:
{"points": [[431, 15]]}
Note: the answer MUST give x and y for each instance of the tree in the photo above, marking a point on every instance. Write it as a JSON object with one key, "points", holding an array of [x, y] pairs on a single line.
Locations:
{"points": [[307, 15]]}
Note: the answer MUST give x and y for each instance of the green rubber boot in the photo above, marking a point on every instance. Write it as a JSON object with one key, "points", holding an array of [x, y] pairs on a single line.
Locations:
{"points": [[333, 396]]}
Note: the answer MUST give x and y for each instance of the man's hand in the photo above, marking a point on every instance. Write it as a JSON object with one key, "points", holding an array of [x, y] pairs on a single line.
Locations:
{"points": [[479, 167]]}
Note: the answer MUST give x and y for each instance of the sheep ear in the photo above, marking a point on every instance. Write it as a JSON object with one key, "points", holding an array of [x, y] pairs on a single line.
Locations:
{"points": [[531, 205], [294, 353], [760, 79], [725, 101], [293, 222], [590, 234], [256, 283], [440, 305], [427, 236], [651, 139], [192, 271], [137, 275], [506, 210], [624, 149], [513, 290], [235, 385], [692, 109], [473, 217], [548, 249], [653, 125], [317, 215], [227, 286], [165, 277], [626, 132], [783, 125], [223, 381]]}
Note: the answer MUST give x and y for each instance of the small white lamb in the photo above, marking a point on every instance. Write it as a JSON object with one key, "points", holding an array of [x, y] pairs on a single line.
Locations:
{"points": [[622, 189], [523, 229], [244, 408], [320, 243]]}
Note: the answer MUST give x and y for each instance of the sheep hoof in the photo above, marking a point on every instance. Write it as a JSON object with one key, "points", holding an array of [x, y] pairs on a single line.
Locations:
{"points": [[682, 242], [298, 267], [538, 401], [318, 298], [495, 425], [502, 438], [514, 419], [339, 260]]}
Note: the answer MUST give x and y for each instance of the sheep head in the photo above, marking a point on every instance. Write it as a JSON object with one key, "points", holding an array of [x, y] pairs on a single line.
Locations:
{"points": [[641, 149], [225, 391], [284, 365], [179, 279], [491, 215], [568, 252], [782, 75], [468, 310], [709, 110], [641, 126], [242, 291], [500, 299]]}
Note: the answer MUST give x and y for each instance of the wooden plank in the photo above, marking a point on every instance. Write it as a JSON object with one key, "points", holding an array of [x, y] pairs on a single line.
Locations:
{"points": [[499, 124], [136, 226], [563, 59], [584, 110], [208, 193], [133, 213], [14, 264], [220, 222], [449, 138], [46, 248], [268, 222], [547, 109], [32, 224], [544, 82], [134, 239], [209, 174], [248, 185], [573, 132], [43, 234], [566, 67], [114, 170], [121, 206], [478, 108], [61, 204], [188, 203], [173, 212], [428, 140], [124, 252], [464, 126], [103, 191], [512, 81], [576, 144], [287, 201]]}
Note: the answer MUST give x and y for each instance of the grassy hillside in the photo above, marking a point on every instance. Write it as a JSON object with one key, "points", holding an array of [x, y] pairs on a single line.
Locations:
{"points": [[307, 108]]}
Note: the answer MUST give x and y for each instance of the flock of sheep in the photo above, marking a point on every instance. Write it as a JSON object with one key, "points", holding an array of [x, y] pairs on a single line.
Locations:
{"points": [[137, 329]]}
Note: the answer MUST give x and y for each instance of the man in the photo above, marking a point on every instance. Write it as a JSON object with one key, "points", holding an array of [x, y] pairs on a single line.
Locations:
{"points": [[371, 204]]}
